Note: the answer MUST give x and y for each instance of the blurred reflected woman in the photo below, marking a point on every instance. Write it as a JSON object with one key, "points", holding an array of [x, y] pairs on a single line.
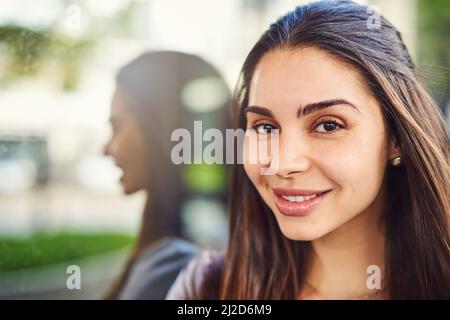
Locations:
{"points": [[149, 103], [359, 205]]}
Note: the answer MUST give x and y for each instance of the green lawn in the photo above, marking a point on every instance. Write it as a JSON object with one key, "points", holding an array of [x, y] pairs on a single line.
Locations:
{"points": [[43, 249]]}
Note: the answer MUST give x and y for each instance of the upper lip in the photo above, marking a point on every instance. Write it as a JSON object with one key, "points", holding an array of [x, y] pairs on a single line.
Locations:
{"points": [[118, 164], [297, 192]]}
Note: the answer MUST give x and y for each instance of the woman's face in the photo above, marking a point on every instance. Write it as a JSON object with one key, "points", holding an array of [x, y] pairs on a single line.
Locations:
{"points": [[127, 147], [332, 147]]}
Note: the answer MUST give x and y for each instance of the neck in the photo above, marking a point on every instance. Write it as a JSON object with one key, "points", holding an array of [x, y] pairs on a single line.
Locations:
{"points": [[339, 260], [150, 230]]}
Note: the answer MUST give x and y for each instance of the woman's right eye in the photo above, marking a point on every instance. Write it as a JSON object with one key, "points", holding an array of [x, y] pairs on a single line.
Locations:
{"points": [[265, 128]]}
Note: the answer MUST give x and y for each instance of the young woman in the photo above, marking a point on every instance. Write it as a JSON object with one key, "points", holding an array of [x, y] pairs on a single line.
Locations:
{"points": [[362, 185], [148, 105]]}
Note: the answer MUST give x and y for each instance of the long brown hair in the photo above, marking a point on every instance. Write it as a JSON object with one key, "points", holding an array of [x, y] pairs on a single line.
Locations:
{"points": [[260, 263]]}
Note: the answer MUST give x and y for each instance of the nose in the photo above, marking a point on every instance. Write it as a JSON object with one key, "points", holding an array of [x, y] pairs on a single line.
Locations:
{"points": [[293, 155], [107, 149]]}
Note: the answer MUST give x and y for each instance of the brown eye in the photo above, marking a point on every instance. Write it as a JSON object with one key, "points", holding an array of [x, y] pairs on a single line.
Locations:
{"points": [[328, 126]]}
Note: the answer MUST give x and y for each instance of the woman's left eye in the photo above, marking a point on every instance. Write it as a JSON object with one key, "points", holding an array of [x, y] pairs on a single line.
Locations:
{"points": [[328, 126]]}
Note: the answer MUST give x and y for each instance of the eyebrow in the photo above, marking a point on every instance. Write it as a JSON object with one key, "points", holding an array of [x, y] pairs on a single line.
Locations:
{"points": [[307, 109]]}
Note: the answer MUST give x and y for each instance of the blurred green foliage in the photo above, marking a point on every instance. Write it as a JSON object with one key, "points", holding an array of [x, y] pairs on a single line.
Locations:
{"points": [[27, 52], [434, 46], [44, 249], [206, 178]]}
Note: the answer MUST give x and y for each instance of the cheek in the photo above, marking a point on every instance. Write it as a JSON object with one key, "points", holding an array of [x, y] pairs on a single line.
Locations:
{"points": [[252, 165], [128, 153], [136, 157], [356, 164], [252, 172], [124, 147]]}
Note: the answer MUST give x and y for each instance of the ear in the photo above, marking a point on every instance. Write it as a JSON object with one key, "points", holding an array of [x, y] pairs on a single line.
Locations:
{"points": [[394, 149]]}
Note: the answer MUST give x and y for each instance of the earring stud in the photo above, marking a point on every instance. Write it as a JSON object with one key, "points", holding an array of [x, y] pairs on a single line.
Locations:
{"points": [[397, 161]]}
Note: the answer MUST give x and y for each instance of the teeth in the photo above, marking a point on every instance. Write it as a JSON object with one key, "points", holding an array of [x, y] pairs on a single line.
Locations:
{"points": [[298, 198]]}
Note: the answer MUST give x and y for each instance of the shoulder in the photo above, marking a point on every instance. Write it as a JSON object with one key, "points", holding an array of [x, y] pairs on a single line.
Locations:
{"points": [[168, 249], [156, 269], [201, 273]]}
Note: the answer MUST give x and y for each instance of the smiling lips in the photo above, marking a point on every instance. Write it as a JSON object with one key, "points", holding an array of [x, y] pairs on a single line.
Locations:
{"points": [[296, 202]]}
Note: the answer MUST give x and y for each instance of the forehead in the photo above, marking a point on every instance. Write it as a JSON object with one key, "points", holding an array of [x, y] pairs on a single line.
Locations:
{"points": [[118, 104], [296, 76]]}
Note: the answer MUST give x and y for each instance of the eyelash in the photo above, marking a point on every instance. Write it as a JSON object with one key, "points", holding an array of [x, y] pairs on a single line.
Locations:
{"points": [[338, 124], [257, 125]]}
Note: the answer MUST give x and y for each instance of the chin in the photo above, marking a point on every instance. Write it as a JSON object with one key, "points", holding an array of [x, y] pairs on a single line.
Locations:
{"points": [[300, 231], [128, 189]]}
